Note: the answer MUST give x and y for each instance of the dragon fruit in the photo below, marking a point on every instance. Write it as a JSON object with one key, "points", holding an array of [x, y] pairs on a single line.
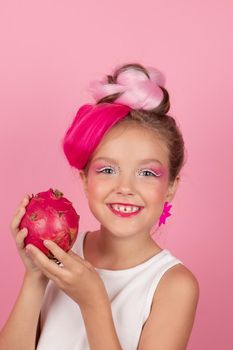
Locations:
{"points": [[51, 216]]}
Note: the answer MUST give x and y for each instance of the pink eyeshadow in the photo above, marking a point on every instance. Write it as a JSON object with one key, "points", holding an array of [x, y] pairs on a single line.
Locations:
{"points": [[157, 170], [97, 166]]}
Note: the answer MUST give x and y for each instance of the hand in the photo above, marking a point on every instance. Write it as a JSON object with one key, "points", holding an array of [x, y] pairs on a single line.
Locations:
{"points": [[76, 276], [19, 236]]}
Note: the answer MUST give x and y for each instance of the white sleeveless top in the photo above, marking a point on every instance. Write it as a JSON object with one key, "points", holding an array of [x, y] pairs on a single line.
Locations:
{"points": [[130, 292]]}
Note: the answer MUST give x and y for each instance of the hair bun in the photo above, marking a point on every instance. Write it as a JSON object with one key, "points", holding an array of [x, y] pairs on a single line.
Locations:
{"points": [[137, 89]]}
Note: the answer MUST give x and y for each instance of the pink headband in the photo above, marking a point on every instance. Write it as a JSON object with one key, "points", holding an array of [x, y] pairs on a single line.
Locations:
{"points": [[137, 90]]}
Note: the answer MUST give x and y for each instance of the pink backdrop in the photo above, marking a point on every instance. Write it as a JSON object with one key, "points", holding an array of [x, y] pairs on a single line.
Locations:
{"points": [[49, 52]]}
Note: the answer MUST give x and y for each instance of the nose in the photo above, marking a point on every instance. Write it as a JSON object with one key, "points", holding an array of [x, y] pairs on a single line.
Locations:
{"points": [[125, 185]]}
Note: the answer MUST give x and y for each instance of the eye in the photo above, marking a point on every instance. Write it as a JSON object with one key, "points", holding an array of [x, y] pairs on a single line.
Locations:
{"points": [[149, 173], [105, 170]]}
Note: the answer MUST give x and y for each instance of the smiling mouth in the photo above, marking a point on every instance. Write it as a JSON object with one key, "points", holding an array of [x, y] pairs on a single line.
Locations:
{"points": [[123, 211]]}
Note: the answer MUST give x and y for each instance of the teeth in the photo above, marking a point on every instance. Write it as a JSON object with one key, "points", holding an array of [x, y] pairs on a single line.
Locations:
{"points": [[124, 209]]}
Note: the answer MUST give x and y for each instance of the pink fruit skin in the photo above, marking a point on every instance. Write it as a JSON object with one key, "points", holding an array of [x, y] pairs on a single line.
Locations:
{"points": [[51, 216]]}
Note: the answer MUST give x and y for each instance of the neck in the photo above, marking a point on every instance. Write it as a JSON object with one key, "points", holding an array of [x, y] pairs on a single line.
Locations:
{"points": [[111, 250]]}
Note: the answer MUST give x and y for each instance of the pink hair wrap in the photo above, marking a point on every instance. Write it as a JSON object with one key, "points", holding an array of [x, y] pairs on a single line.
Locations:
{"points": [[137, 90], [87, 129]]}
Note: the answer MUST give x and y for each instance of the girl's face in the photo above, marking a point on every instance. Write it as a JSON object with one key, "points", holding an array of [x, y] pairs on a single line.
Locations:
{"points": [[130, 165]]}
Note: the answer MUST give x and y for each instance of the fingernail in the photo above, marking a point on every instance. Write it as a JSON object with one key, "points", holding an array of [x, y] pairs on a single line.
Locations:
{"points": [[46, 242], [28, 250]]}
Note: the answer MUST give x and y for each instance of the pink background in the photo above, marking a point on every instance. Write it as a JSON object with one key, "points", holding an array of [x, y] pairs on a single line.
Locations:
{"points": [[49, 52]]}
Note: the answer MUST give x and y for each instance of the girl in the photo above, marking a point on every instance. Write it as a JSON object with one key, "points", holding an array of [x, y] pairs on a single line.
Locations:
{"points": [[117, 289]]}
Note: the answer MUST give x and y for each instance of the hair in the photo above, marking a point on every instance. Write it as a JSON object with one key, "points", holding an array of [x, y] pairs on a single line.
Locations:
{"points": [[92, 122]]}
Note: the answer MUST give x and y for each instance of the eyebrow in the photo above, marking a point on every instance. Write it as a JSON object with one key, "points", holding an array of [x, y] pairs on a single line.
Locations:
{"points": [[144, 161]]}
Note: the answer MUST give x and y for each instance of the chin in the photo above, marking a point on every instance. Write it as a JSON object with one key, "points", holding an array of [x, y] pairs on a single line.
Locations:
{"points": [[119, 230]]}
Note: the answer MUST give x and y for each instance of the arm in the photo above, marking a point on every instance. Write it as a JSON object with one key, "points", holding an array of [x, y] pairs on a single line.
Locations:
{"points": [[100, 327], [20, 329], [172, 315]]}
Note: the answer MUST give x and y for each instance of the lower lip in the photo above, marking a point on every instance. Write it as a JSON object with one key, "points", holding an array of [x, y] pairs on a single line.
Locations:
{"points": [[124, 215]]}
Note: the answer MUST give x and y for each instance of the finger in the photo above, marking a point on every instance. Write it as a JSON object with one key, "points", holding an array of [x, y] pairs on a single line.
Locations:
{"points": [[71, 253], [16, 221], [19, 239], [47, 266], [79, 258], [24, 202], [59, 253], [19, 214]]}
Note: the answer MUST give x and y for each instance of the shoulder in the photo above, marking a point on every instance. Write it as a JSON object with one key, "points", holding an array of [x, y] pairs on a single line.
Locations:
{"points": [[177, 287], [179, 280], [173, 311]]}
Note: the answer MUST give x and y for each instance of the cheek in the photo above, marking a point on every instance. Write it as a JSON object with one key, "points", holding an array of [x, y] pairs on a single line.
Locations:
{"points": [[156, 195], [156, 192], [94, 190], [96, 187]]}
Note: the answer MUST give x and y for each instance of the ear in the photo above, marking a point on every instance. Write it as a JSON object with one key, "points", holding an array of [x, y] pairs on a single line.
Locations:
{"points": [[83, 178], [172, 189]]}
